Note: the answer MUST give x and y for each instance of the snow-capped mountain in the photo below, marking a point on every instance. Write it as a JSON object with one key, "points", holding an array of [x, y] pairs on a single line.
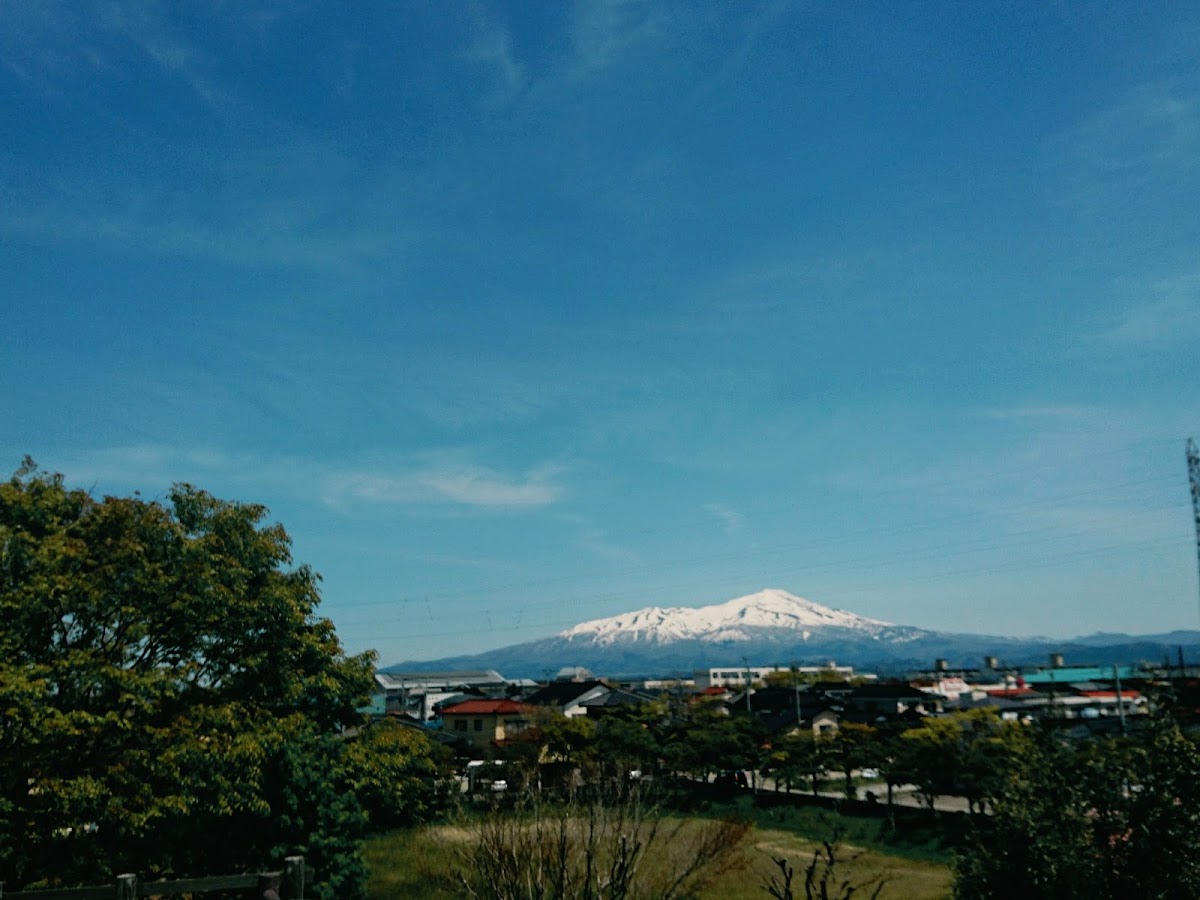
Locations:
{"points": [[735, 620], [773, 627]]}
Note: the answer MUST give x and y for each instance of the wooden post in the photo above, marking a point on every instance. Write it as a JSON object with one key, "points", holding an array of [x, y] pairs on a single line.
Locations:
{"points": [[268, 885], [293, 877], [126, 887]]}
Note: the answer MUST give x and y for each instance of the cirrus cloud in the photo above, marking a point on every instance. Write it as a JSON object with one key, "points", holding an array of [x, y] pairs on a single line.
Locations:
{"points": [[460, 483]]}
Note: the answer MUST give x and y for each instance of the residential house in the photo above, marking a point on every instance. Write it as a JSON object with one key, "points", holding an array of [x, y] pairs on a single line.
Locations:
{"points": [[418, 693], [484, 723], [890, 700], [784, 709], [612, 701], [569, 697], [820, 721]]}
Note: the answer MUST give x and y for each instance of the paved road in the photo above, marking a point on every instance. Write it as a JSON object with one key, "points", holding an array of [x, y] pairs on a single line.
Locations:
{"points": [[904, 795]]}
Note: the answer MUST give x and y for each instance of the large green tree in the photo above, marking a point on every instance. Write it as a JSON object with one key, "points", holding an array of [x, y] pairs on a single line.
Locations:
{"points": [[169, 701]]}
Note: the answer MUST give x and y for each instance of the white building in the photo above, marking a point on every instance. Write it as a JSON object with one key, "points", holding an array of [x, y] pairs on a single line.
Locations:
{"points": [[735, 677]]}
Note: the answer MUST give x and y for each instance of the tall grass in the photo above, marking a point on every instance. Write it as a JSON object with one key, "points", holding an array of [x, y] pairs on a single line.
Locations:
{"points": [[428, 862]]}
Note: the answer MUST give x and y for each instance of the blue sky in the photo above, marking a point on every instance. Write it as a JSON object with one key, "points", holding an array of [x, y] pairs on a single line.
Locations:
{"points": [[521, 314]]}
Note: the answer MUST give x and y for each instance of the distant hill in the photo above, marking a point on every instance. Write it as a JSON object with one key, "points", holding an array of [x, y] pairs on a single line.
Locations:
{"points": [[773, 627]]}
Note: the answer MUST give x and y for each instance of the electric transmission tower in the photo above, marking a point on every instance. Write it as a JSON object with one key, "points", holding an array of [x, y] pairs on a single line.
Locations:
{"points": [[1193, 464]]}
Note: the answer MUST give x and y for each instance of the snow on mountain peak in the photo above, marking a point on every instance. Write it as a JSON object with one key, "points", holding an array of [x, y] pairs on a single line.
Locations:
{"points": [[771, 608]]}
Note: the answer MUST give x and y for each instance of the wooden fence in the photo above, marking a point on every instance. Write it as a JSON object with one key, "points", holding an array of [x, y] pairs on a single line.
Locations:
{"points": [[287, 884]]}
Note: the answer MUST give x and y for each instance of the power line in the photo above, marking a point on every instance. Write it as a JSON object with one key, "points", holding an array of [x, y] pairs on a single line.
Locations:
{"points": [[1042, 537], [857, 536], [1104, 552]]}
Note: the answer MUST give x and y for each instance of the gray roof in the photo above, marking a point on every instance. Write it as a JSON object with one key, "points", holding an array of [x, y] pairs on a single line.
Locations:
{"points": [[564, 693], [618, 698], [413, 679]]}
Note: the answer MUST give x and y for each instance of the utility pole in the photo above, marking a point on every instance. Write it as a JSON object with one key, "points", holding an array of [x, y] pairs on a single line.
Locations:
{"points": [[749, 677], [796, 688], [1120, 702], [1193, 464]]}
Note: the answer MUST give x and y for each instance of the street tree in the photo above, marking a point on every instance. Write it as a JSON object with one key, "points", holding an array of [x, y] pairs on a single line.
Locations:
{"points": [[852, 747], [802, 756], [630, 740]]}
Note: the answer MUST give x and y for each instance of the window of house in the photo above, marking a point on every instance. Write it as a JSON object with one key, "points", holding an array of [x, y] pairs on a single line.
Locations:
{"points": [[479, 724], [460, 725]]}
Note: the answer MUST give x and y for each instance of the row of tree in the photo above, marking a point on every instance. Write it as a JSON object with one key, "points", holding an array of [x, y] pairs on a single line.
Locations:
{"points": [[960, 754], [1055, 819]]}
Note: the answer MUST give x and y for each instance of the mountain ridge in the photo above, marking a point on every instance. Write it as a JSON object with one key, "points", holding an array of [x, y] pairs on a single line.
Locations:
{"points": [[775, 627]]}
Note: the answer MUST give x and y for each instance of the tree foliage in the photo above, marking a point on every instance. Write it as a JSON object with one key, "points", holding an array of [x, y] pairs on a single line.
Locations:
{"points": [[1100, 820], [965, 754], [169, 701], [852, 747], [708, 740], [399, 776], [630, 740], [801, 757]]}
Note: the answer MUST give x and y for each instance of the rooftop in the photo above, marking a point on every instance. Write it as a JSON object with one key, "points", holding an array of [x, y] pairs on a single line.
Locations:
{"points": [[484, 708]]}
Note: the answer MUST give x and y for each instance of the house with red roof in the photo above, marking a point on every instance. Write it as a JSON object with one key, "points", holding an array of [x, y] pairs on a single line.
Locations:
{"points": [[482, 723]]}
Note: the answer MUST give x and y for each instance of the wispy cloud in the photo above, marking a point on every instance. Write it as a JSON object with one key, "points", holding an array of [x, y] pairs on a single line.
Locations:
{"points": [[1170, 311], [1049, 412], [460, 483], [492, 47], [731, 519], [605, 31], [597, 542], [26, 53], [250, 214], [145, 466], [141, 25], [761, 17], [1147, 138], [1153, 124], [54, 47], [450, 478]]}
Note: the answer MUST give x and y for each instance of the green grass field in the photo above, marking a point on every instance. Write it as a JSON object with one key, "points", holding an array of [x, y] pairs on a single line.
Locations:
{"points": [[912, 837], [419, 863]]}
